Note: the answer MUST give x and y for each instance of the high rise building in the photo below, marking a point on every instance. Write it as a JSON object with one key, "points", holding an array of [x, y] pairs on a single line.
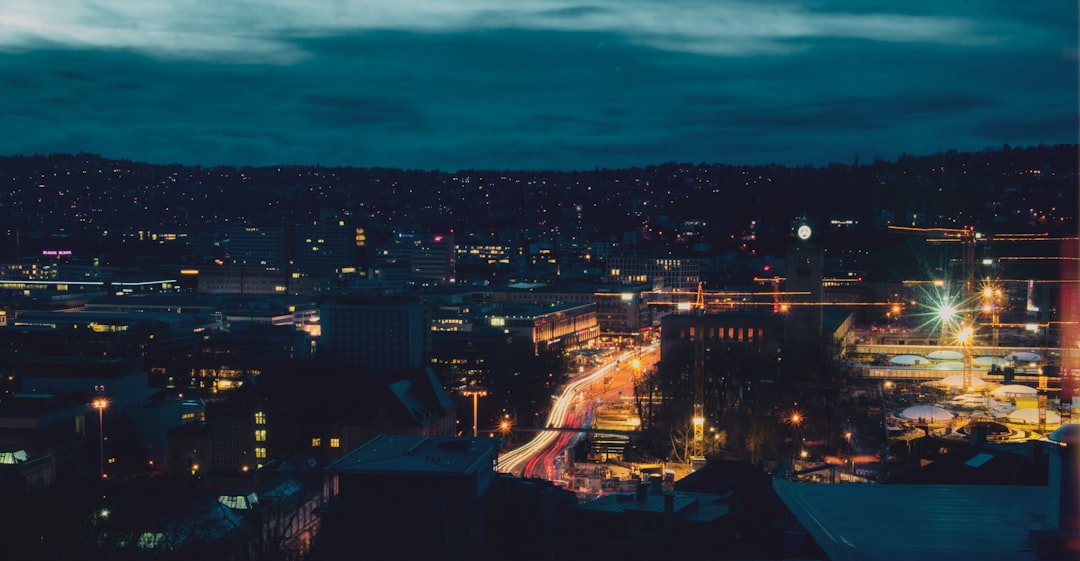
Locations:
{"points": [[257, 245], [328, 247], [675, 273], [374, 331], [429, 260]]}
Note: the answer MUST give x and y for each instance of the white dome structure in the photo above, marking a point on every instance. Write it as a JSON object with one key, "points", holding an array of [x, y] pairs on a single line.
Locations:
{"points": [[1015, 390], [1030, 416], [957, 381], [988, 361], [908, 360], [926, 414], [1023, 356], [949, 366], [945, 355], [970, 400]]}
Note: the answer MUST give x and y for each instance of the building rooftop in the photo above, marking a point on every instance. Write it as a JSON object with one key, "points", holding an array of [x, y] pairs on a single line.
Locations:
{"points": [[924, 522], [695, 507], [417, 455]]}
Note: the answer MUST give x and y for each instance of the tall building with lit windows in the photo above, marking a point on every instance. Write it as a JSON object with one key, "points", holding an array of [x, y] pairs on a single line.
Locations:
{"points": [[417, 259], [674, 273], [334, 247], [265, 246]]}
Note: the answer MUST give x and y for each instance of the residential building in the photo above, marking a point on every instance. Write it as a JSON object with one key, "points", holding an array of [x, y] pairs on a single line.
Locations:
{"points": [[428, 493]]}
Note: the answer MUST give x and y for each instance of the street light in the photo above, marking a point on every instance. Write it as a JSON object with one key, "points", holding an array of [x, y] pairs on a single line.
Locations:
{"points": [[476, 394], [100, 404]]}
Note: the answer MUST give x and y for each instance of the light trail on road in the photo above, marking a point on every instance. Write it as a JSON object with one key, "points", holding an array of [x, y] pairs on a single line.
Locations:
{"points": [[526, 459]]}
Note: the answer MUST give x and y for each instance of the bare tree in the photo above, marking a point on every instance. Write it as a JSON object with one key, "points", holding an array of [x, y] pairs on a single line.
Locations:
{"points": [[682, 443]]}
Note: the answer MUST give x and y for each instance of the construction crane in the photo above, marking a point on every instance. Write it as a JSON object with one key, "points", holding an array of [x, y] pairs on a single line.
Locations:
{"points": [[967, 237], [698, 420], [991, 293]]}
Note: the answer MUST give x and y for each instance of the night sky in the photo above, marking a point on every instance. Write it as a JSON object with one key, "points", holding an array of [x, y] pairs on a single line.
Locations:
{"points": [[528, 84]]}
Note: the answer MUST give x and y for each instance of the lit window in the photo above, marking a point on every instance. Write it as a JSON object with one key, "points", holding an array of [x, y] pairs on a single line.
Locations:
{"points": [[260, 418], [316, 442], [335, 443], [260, 435], [260, 453]]}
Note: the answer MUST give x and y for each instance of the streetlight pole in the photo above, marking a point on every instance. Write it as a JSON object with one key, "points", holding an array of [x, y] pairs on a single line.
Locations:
{"points": [[100, 404], [476, 394]]}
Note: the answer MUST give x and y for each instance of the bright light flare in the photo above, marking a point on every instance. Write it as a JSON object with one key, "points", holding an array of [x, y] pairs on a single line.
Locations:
{"points": [[965, 335]]}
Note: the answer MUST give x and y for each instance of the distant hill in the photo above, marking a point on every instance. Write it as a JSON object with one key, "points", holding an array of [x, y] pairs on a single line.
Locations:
{"points": [[677, 208]]}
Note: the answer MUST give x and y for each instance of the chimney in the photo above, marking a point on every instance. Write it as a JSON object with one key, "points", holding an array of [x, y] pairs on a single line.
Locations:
{"points": [[657, 485], [642, 491]]}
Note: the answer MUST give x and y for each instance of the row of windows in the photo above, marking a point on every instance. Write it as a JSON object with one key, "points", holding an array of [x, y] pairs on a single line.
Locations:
{"points": [[334, 442], [728, 334]]}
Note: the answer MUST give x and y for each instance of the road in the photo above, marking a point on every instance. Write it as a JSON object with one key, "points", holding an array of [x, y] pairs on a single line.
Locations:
{"points": [[572, 408]]}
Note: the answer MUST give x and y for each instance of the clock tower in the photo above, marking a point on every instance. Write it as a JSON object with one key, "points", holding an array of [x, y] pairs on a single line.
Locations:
{"points": [[805, 264]]}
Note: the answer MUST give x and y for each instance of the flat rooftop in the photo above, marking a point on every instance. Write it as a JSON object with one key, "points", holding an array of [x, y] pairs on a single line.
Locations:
{"points": [[395, 454], [919, 522]]}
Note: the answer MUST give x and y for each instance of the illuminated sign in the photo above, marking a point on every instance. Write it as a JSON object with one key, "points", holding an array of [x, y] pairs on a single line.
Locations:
{"points": [[55, 252]]}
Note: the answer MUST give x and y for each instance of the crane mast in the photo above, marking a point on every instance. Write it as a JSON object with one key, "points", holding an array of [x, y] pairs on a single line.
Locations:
{"points": [[699, 378]]}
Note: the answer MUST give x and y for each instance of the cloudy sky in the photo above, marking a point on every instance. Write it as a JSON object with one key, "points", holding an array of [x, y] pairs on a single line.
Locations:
{"points": [[526, 84]]}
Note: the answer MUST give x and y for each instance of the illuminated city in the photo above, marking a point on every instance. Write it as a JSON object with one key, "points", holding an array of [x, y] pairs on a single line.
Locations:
{"points": [[554, 282]]}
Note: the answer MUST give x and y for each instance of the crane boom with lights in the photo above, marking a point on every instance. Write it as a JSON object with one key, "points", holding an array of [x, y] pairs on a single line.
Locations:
{"points": [[967, 237]]}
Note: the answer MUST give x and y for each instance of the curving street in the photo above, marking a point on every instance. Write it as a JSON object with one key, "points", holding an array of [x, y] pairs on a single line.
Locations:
{"points": [[572, 408]]}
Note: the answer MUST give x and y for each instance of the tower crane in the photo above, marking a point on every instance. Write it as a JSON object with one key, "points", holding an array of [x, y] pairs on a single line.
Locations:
{"points": [[967, 237], [698, 419]]}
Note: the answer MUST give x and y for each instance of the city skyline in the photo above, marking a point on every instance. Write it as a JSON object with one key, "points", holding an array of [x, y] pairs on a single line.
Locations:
{"points": [[537, 85]]}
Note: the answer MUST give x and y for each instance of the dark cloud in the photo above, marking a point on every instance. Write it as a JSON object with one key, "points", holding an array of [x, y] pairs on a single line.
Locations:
{"points": [[574, 12], [351, 111], [532, 97]]}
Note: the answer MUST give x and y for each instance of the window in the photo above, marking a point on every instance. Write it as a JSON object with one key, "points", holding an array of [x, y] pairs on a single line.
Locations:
{"points": [[335, 443], [260, 418], [316, 442], [260, 453], [260, 435]]}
